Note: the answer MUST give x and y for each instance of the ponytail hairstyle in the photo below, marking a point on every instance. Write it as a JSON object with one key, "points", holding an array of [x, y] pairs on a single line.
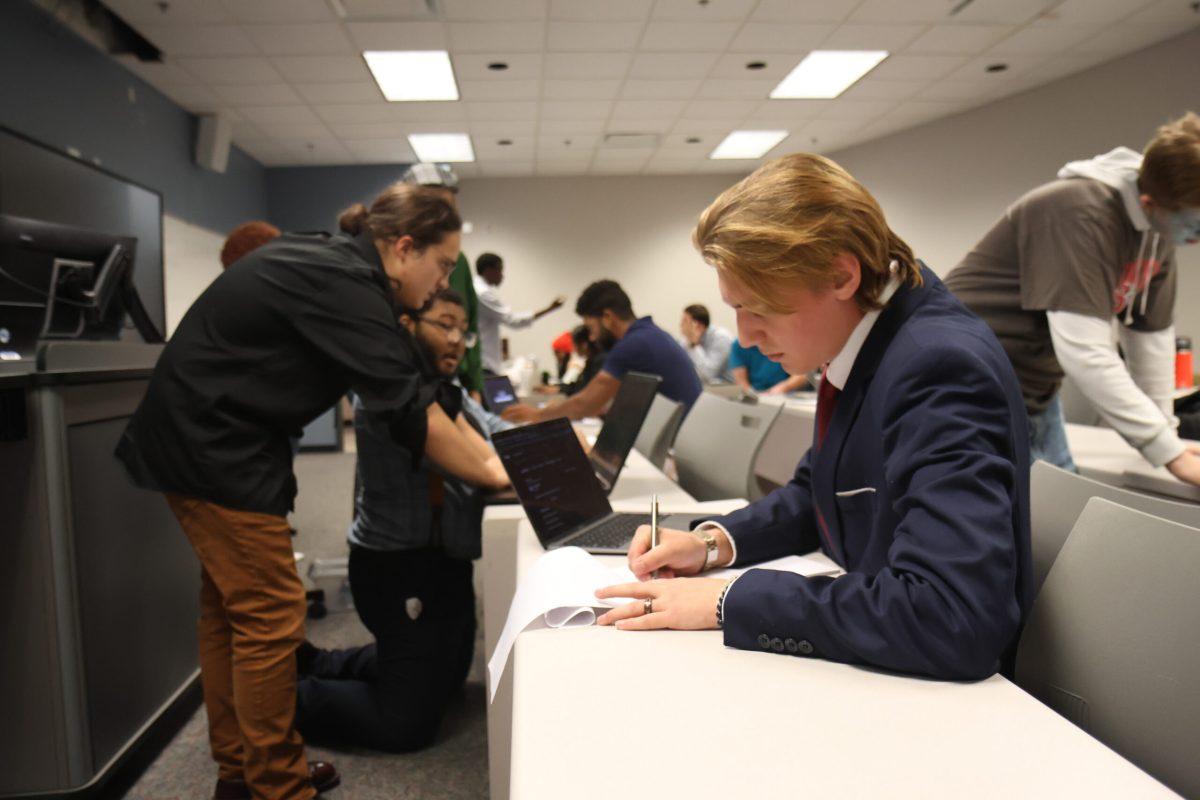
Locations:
{"points": [[786, 223], [402, 209]]}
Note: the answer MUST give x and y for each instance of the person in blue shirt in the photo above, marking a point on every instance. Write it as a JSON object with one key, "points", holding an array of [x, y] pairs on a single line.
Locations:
{"points": [[755, 372], [640, 346]]}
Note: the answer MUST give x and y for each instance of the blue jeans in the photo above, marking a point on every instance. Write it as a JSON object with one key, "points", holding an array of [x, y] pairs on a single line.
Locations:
{"points": [[1048, 437]]}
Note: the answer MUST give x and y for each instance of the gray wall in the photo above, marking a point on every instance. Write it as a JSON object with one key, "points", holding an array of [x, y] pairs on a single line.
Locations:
{"points": [[60, 90], [310, 198]]}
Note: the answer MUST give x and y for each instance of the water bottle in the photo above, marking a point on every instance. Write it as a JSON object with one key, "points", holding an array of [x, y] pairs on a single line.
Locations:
{"points": [[1184, 377]]}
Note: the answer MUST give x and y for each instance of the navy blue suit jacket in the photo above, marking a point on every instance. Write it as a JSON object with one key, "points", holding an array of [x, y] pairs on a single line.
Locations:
{"points": [[923, 485]]}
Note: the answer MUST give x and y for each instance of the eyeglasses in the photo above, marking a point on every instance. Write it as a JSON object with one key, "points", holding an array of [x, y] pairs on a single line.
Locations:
{"points": [[453, 332]]}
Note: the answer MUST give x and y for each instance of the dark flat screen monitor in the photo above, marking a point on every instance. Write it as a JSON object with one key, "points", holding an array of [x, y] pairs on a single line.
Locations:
{"points": [[40, 183]]}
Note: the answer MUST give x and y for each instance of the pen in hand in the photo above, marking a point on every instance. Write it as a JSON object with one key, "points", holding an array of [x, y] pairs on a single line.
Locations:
{"points": [[654, 527]]}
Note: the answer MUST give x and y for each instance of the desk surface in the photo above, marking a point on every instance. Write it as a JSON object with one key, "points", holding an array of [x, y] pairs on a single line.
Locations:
{"points": [[591, 712]]}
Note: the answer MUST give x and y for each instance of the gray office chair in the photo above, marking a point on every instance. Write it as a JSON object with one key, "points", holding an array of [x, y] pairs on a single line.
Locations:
{"points": [[658, 431], [1057, 498], [1111, 640], [717, 446], [789, 439]]}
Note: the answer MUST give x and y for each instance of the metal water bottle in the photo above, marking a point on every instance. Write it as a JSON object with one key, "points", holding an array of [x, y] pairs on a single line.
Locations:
{"points": [[1184, 377]]}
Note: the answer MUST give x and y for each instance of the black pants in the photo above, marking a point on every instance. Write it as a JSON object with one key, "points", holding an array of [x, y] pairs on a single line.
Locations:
{"points": [[392, 695]]}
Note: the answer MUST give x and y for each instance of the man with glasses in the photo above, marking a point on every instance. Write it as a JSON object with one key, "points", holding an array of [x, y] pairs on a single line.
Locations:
{"points": [[414, 535]]}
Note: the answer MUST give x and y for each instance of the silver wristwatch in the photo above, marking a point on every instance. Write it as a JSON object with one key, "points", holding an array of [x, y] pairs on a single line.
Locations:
{"points": [[710, 547]]}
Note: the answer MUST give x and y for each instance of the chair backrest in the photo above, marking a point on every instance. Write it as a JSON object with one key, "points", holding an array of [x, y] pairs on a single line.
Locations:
{"points": [[790, 438], [1057, 498], [658, 430], [1111, 640], [717, 445]]}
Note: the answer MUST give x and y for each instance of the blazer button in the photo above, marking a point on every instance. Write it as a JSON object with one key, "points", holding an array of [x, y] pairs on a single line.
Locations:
{"points": [[764, 641], [777, 644], [790, 645], [805, 646]]}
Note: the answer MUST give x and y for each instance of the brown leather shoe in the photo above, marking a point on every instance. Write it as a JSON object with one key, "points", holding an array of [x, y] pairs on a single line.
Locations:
{"points": [[321, 774]]}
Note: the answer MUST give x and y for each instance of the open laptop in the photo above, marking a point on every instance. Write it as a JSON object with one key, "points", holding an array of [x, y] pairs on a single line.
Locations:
{"points": [[498, 393], [562, 496]]}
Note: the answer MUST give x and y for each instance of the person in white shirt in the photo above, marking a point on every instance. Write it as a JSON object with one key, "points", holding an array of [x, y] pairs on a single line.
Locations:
{"points": [[493, 313], [707, 345]]}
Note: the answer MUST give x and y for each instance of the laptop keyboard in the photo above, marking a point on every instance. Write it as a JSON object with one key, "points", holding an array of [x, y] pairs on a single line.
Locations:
{"points": [[616, 532]]}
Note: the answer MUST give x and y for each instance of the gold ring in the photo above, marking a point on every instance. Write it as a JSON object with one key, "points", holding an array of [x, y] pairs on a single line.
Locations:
{"points": [[648, 606]]}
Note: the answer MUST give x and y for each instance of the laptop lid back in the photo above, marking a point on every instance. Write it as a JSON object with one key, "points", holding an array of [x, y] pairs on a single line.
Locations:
{"points": [[622, 424], [498, 393], [553, 478]]}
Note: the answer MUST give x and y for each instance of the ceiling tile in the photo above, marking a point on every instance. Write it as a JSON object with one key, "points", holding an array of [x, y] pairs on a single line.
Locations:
{"points": [[871, 88], [339, 93], [502, 112], [957, 39], [275, 10], [959, 90], [416, 10], [609, 10], [724, 89], [647, 109], [474, 66], [356, 112], [711, 11], [733, 66], [666, 166], [1008, 12], [640, 125], [559, 168], [1183, 14], [792, 11], [858, 109], [784, 111], [253, 94], [282, 130], [193, 98], [433, 111], [382, 151], [482, 37], [1127, 37], [301, 39], [857, 36], [906, 67], [321, 69], [688, 36], [580, 145], [665, 66], [265, 151], [702, 127], [1045, 39], [280, 115], [200, 40], [570, 127], [398, 35], [489, 149], [580, 89], [1092, 12], [232, 70], [498, 90], [493, 9], [504, 129], [593, 36], [637, 89], [586, 65], [634, 159], [906, 11], [1018, 64], [730, 110], [576, 109], [780, 37], [617, 168], [679, 144], [350, 132], [180, 12]]}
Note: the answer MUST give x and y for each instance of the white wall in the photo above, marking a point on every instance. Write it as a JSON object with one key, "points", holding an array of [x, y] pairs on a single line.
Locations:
{"points": [[557, 235], [191, 259], [942, 185]]}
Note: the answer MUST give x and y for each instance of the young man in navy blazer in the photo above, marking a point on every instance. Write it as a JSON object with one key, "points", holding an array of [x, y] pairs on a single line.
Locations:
{"points": [[917, 482]]}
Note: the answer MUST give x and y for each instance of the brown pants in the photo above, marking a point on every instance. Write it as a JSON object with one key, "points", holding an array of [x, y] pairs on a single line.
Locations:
{"points": [[251, 621]]}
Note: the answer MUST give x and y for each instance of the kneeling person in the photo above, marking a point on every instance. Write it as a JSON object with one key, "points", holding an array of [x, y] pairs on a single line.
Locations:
{"points": [[412, 541]]}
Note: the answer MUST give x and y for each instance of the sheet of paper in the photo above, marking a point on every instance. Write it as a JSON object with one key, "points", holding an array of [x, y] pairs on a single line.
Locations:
{"points": [[561, 588]]}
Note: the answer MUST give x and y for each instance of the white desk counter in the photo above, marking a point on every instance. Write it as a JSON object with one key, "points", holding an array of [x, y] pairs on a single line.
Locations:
{"points": [[597, 712]]}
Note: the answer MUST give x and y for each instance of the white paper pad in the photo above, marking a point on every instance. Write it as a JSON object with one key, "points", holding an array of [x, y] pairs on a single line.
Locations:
{"points": [[561, 588]]}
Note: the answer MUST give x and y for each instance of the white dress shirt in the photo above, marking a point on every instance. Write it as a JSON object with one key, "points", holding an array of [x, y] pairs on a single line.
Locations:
{"points": [[493, 312]]}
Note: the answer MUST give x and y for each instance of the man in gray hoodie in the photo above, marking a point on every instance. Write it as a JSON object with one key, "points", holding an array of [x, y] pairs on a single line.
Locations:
{"points": [[1069, 257]]}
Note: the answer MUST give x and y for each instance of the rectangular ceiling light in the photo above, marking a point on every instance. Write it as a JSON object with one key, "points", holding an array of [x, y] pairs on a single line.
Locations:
{"points": [[414, 75], [442, 147], [748, 144], [825, 74]]}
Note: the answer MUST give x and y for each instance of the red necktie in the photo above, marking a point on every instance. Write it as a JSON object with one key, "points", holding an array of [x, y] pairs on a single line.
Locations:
{"points": [[827, 396]]}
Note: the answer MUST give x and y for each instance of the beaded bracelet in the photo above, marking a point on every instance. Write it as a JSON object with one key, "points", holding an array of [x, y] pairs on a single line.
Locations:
{"points": [[721, 605]]}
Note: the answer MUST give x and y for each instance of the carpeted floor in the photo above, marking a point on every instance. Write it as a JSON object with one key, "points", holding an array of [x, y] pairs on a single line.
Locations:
{"points": [[455, 767]]}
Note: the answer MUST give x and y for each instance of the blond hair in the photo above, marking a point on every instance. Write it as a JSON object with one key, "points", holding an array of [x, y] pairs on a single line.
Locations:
{"points": [[785, 224], [1170, 170]]}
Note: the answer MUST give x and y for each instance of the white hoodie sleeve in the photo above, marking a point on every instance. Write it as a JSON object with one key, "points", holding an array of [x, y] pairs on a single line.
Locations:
{"points": [[1085, 349], [1150, 356]]}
